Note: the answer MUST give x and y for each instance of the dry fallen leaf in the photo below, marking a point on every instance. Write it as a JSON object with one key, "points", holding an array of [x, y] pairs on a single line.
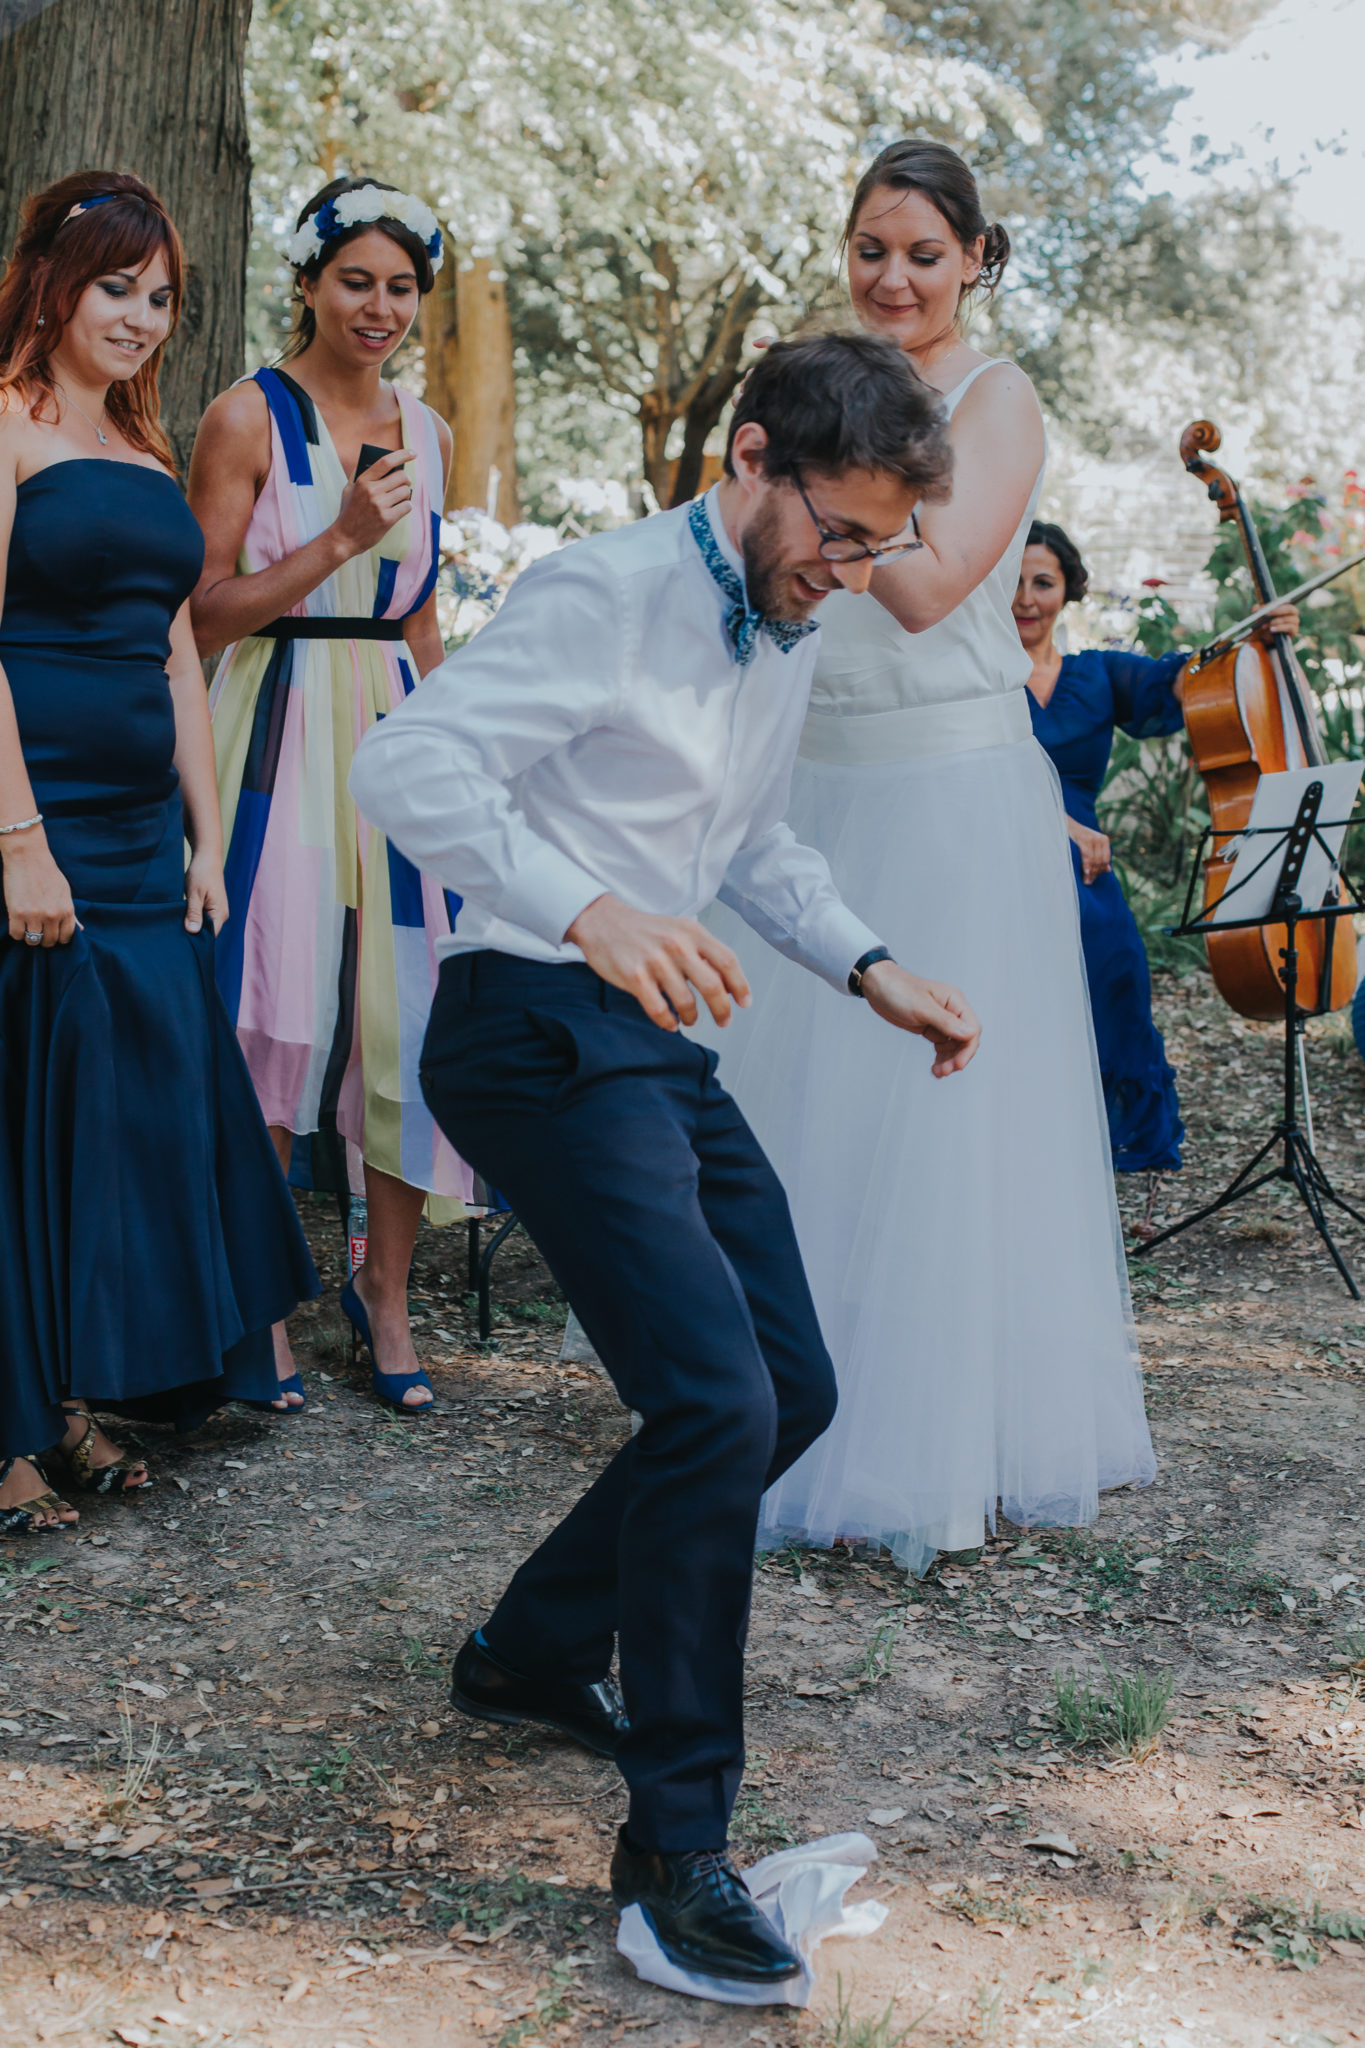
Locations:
{"points": [[300, 1988], [1058, 1843], [140, 1839]]}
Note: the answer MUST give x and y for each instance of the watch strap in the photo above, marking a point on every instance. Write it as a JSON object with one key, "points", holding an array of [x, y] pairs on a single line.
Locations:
{"points": [[860, 967]]}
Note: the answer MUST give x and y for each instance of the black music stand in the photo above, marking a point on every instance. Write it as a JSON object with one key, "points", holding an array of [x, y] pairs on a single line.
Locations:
{"points": [[1298, 1163]]}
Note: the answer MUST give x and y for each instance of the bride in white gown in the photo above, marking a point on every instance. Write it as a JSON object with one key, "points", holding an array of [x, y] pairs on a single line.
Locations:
{"points": [[963, 1243]]}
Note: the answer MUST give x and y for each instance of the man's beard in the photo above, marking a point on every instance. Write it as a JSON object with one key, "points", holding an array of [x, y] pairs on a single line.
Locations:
{"points": [[767, 579]]}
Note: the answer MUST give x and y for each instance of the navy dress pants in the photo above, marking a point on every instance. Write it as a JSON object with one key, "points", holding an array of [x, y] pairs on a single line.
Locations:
{"points": [[669, 1232]]}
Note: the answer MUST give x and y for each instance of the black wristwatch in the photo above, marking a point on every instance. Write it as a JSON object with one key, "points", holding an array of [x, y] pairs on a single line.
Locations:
{"points": [[860, 967]]}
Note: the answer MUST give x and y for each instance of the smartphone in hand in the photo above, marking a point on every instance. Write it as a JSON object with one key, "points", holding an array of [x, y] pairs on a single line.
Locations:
{"points": [[368, 457]]}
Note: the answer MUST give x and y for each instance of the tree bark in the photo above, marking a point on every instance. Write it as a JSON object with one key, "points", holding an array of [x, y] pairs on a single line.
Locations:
{"points": [[441, 353], [708, 403], [157, 90], [656, 418], [470, 380]]}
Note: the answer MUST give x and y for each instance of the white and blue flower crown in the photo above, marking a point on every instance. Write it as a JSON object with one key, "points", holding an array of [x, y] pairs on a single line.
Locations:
{"points": [[353, 209]]}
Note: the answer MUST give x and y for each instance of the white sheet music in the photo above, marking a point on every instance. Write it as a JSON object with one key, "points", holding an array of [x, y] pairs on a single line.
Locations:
{"points": [[1258, 856]]}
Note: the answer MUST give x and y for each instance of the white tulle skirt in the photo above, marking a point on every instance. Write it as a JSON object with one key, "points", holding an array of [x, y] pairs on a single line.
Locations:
{"points": [[961, 1235]]}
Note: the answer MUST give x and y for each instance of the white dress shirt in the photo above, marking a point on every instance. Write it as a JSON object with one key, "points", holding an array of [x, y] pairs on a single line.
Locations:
{"points": [[598, 735]]}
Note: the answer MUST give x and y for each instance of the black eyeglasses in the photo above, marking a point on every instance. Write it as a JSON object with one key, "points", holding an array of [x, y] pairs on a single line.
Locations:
{"points": [[842, 547]]}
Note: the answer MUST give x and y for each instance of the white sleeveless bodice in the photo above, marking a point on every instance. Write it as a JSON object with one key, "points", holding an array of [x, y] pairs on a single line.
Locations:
{"points": [[868, 664]]}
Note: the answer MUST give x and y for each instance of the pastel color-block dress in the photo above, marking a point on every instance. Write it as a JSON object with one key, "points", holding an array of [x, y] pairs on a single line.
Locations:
{"points": [[327, 964]]}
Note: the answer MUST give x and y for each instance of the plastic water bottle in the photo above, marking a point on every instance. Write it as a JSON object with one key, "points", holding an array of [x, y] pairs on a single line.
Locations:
{"points": [[357, 1234]]}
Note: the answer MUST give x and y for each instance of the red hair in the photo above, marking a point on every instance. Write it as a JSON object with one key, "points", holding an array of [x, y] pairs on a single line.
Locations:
{"points": [[58, 254]]}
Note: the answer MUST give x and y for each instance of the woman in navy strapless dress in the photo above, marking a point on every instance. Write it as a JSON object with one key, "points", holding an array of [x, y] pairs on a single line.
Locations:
{"points": [[150, 1238], [1077, 701]]}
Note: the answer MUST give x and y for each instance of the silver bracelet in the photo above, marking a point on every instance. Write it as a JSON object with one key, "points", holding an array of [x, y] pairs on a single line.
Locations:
{"points": [[22, 826]]}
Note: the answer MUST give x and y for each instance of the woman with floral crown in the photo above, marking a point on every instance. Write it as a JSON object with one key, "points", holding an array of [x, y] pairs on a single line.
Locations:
{"points": [[319, 488]]}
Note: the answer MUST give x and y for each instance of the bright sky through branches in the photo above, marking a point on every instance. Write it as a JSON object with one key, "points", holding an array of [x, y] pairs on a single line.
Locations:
{"points": [[1289, 94]]}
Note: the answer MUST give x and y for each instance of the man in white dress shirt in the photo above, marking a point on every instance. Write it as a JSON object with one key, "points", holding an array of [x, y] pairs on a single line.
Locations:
{"points": [[608, 755]]}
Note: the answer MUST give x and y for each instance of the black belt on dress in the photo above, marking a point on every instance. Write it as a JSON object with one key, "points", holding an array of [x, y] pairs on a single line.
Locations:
{"points": [[330, 629]]}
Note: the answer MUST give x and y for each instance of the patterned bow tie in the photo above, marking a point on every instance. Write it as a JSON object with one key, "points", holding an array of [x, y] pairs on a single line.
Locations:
{"points": [[742, 626]]}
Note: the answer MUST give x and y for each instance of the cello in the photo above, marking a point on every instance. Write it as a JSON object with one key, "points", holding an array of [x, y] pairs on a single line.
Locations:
{"points": [[1249, 712]]}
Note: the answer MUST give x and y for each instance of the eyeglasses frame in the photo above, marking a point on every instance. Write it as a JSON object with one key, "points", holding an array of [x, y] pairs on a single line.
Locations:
{"points": [[860, 551]]}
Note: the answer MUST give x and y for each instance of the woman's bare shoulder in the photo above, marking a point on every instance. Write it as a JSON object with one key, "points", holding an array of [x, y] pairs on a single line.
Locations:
{"points": [[1002, 388], [241, 409], [20, 434], [233, 438], [443, 435]]}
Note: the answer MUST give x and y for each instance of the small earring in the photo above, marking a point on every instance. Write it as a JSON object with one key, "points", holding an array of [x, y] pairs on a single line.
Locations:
{"points": [[42, 319]]}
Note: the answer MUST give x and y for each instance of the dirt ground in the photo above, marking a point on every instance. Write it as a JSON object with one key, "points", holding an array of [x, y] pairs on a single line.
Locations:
{"points": [[236, 1806]]}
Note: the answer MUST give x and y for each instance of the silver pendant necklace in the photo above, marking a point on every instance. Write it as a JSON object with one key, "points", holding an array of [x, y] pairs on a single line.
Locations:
{"points": [[97, 431]]}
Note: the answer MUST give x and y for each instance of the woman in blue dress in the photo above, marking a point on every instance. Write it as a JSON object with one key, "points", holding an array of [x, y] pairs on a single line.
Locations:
{"points": [[150, 1238], [1076, 702]]}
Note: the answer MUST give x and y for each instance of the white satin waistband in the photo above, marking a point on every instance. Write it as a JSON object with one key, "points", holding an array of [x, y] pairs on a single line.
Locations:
{"points": [[951, 728]]}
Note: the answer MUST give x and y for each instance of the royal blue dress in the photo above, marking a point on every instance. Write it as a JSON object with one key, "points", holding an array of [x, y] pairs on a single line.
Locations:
{"points": [[150, 1240], [1095, 692]]}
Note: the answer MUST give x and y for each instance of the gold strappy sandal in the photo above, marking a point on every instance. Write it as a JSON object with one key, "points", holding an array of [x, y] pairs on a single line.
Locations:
{"points": [[30, 1517], [88, 1477]]}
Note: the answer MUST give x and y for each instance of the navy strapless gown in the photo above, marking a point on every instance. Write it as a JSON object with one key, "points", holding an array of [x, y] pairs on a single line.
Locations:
{"points": [[150, 1240], [1095, 692]]}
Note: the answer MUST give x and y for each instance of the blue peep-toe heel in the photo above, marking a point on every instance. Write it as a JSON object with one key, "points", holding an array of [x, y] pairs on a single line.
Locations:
{"points": [[389, 1387], [293, 1385]]}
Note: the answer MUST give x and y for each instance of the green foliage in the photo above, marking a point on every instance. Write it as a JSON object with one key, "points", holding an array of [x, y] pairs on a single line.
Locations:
{"points": [[329, 1773], [1153, 805], [758, 1825], [1110, 1560], [1291, 1933], [878, 1659], [1126, 1717], [487, 1903], [662, 182], [1013, 1909], [847, 2031], [551, 2009], [418, 1661]]}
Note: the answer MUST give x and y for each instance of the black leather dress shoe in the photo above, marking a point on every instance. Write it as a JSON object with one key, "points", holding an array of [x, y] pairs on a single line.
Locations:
{"points": [[490, 1691], [703, 1917]]}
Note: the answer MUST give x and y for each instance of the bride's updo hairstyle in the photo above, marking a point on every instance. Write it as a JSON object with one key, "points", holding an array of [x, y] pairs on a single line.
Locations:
{"points": [[334, 239], [84, 227], [940, 174]]}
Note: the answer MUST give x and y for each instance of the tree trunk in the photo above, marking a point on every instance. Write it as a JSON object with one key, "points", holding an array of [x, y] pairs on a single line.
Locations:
{"points": [[441, 352], [656, 418], [725, 342], [157, 90], [475, 376], [699, 419], [440, 340]]}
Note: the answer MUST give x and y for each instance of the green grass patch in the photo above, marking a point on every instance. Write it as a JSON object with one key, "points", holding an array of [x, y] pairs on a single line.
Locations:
{"points": [[878, 1659], [847, 2030], [1124, 1716], [1293, 1933], [757, 1825], [982, 1908]]}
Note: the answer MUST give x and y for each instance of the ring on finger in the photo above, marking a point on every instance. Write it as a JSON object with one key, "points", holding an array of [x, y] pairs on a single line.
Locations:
{"points": [[33, 938]]}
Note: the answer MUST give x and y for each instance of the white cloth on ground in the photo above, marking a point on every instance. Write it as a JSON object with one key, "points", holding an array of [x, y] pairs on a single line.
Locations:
{"points": [[802, 1893]]}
